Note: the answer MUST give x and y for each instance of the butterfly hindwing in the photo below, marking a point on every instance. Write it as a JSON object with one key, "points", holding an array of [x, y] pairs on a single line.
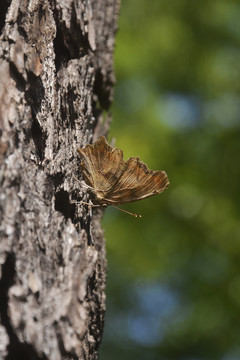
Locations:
{"points": [[137, 182]]}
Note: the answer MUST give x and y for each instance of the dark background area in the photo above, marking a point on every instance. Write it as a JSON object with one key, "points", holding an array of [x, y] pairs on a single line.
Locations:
{"points": [[173, 289]]}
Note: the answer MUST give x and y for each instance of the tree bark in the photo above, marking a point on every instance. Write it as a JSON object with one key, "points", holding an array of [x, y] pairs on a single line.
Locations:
{"points": [[56, 79]]}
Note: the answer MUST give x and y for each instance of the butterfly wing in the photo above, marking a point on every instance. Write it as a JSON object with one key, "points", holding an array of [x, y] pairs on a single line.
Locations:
{"points": [[101, 165], [137, 182]]}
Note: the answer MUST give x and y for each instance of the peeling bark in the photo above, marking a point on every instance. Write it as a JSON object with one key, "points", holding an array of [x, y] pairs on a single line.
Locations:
{"points": [[56, 78]]}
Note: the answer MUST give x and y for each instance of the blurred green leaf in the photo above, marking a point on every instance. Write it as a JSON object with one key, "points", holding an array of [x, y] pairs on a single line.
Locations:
{"points": [[177, 108]]}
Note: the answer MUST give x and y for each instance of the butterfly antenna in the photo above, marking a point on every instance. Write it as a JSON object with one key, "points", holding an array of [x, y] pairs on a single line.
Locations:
{"points": [[128, 212]]}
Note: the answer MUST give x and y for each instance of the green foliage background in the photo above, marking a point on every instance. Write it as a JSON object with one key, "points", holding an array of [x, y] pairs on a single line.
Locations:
{"points": [[173, 288]]}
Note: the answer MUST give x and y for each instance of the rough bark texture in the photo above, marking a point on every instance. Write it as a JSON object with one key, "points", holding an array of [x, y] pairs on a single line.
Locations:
{"points": [[56, 78]]}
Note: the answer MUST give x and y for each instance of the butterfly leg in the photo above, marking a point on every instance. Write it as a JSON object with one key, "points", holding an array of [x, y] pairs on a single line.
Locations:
{"points": [[83, 184]]}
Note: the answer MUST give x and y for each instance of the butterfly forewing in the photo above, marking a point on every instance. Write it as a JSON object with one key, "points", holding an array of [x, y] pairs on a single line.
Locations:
{"points": [[101, 165]]}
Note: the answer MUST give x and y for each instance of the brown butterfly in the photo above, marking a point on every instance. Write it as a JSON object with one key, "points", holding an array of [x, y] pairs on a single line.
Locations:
{"points": [[112, 181]]}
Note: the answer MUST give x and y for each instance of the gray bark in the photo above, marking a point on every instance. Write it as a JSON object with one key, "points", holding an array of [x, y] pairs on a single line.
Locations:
{"points": [[56, 78]]}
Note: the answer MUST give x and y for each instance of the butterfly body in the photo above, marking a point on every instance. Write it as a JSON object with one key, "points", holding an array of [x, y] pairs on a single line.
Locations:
{"points": [[112, 181]]}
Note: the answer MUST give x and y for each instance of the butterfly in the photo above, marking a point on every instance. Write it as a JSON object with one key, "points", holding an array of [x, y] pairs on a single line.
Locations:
{"points": [[113, 181]]}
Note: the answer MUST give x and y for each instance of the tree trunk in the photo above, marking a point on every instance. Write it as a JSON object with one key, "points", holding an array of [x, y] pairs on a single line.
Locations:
{"points": [[56, 78]]}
